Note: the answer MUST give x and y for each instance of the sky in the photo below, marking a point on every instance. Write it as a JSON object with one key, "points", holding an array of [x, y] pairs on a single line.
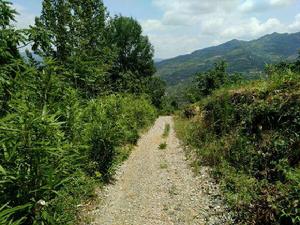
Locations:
{"points": [[177, 27]]}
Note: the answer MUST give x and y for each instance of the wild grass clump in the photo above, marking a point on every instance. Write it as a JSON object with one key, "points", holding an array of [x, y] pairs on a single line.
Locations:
{"points": [[250, 135], [162, 146], [166, 130]]}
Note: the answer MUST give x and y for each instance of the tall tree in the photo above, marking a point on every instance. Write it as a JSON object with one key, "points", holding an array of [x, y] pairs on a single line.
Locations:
{"points": [[51, 34], [134, 51], [91, 58], [103, 55], [89, 24], [73, 33], [69, 28], [10, 38]]}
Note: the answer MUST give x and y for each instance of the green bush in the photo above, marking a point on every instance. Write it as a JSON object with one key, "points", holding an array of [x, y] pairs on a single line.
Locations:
{"points": [[111, 122], [55, 145], [40, 161]]}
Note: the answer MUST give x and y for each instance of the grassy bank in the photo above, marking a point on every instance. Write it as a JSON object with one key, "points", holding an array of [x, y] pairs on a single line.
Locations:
{"points": [[249, 134]]}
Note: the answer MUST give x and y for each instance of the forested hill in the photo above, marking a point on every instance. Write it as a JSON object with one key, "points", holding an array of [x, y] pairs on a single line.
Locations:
{"points": [[242, 56]]}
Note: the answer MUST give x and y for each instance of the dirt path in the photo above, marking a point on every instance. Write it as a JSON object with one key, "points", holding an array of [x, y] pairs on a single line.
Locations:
{"points": [[156, 186]]}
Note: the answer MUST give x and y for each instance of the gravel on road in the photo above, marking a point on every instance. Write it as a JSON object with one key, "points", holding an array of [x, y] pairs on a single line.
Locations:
{"points": [[157, 187]]}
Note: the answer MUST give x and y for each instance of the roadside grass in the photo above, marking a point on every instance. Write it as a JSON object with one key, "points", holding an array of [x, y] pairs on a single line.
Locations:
{"points": [[163, 165], [162, 146], [166, 130]]}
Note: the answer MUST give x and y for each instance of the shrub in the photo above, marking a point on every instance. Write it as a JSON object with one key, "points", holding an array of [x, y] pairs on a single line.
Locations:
{"points": [[110, 122], [58, 155]]}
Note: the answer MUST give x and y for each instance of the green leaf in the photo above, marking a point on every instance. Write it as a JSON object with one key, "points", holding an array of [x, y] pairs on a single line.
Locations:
{"points": [[2, 170]]}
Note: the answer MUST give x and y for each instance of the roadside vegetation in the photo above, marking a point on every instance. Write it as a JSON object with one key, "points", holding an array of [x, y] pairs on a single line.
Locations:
{"points": [[166, 130], [71, 109], [248, 132], [162, 146]]}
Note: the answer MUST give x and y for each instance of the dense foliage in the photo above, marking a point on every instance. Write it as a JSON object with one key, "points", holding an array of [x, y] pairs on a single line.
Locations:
{"points": [[66, 121], [104, 55], [250, 134], [215, 78]]}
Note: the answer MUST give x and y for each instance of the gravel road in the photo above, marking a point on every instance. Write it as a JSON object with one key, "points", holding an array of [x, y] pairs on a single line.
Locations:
{"points": [[157, 187]]}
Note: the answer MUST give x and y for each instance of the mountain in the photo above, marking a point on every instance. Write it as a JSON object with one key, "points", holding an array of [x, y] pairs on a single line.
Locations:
{"points": [[247, 57], [157, 60]]}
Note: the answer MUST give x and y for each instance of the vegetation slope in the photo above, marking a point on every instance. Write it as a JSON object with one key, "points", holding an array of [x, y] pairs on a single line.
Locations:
{"points": [[249, 133]]}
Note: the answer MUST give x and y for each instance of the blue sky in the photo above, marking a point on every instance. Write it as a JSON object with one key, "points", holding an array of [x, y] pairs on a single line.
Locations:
{"points": [[178, 27]]}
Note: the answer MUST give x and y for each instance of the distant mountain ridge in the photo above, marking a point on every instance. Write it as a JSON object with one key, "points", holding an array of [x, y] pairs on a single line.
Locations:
{"points": [[248, 57], [157, 60]]}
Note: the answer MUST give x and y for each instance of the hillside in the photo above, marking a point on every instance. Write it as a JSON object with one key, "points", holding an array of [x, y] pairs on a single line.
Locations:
{"points": [[243, 56], [249, 134]]}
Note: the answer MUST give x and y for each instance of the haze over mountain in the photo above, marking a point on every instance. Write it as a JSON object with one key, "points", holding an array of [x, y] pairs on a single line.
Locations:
{"points": [[247, 57], [157, 60]]}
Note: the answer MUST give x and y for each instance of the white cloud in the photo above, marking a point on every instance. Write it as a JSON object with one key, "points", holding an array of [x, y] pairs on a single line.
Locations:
{"points": [[175, 19], [281, 2], [247, 6], [193, 24], [253, 28], [152, 25], [295, 26], [212, 26], [170, 45], [189, 12], [254, 6]]}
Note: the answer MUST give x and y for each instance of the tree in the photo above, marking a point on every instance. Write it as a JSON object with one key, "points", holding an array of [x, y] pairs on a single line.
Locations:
{"points": [[102, 55], [89, 26], [134, 51], [212, 79], [155, 88], [296, 65], [69, 28], [73, 33], [92, 56], [10, 38], [51, 33], [192, 94]]}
